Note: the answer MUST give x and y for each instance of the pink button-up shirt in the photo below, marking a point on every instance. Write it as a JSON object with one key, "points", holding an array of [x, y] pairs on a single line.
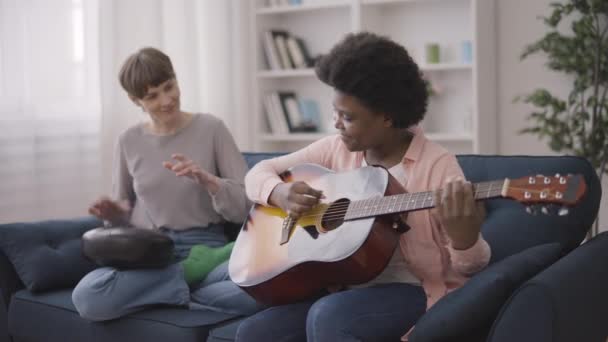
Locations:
{"points": [[426, 247]]}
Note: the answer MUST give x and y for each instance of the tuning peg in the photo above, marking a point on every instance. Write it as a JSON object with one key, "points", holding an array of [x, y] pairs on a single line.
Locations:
{"points": [[532, 210], [550, 209], [563, 211], [545, 210]]}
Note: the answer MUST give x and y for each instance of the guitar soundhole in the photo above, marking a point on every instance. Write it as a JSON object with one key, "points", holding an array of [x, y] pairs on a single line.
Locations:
{"points": [[334, 215]]}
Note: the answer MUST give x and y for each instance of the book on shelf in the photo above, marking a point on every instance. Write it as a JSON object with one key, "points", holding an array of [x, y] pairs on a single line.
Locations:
{"points": [[284, 51], [270, 52], [276, 123], [309, 60], [280, 39], [286, 113], [279, 114], [297, 56]]}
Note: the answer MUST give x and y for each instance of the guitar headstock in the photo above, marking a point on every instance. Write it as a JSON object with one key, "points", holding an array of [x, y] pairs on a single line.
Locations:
{"points": [[558, 190]]}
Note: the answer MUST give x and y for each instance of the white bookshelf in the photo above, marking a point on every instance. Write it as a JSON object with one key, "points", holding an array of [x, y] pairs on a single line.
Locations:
{"points": [[462, 116]]}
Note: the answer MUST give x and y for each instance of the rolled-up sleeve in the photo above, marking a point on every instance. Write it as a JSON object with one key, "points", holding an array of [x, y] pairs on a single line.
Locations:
{"points": [[261, 180], [230, 201], [472, 260]]}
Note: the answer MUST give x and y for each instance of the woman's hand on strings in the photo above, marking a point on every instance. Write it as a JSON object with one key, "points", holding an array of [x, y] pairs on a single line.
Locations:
{"points": [[295, 198]]}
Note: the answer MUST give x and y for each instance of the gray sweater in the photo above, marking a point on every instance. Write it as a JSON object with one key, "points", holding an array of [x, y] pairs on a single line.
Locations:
{"points": [[161, 199]]}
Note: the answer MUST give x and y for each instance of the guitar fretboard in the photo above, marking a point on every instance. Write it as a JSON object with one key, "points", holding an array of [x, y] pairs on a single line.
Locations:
{"points": [[413, 201]]}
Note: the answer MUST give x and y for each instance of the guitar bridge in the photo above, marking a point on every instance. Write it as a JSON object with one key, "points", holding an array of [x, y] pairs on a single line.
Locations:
{"points": [[287, 229]]}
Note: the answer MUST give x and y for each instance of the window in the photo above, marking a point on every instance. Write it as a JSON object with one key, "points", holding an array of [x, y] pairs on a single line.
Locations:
{"points": [[49, 108]]}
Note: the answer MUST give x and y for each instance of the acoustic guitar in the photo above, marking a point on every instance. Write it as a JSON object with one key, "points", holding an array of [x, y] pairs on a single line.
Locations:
{"points": [[350, 237]]}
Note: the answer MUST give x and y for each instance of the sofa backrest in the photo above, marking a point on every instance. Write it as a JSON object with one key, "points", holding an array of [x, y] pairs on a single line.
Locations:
{"points": [[508, 228], [253, 158]]}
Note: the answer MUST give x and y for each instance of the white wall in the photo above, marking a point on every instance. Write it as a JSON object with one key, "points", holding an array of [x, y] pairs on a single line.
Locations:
{"points": [[517, 27]]}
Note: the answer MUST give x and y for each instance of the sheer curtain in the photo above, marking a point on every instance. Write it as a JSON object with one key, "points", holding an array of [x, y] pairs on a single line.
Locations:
{"points": [[49, 108], [223, 48], [207, 40]]}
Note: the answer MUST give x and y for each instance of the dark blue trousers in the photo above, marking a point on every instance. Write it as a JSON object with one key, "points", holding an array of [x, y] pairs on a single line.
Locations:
{"points": [[378, 313]]}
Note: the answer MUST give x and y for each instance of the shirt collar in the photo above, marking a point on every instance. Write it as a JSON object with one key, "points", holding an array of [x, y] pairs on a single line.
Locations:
{"points": [[415, 149]]}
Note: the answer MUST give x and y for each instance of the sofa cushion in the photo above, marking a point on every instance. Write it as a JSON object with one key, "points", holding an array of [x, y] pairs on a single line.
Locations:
{"points": [[56, 319], [225, 332], [47, 255], [471, 309]]}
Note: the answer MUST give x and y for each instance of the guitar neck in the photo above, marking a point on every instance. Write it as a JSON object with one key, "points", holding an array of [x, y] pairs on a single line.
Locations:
{"points": [[407, 202]]}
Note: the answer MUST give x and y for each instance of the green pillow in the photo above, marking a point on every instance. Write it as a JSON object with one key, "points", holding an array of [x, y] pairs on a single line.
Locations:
{"points": [[202, 260]]}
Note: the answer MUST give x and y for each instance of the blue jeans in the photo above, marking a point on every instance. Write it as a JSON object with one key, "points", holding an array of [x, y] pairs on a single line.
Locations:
{"points": [[107, 293], [378, 313]]}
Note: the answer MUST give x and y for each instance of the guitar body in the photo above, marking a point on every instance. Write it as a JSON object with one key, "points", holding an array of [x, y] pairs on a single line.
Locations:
{"points": [[322, 250]]}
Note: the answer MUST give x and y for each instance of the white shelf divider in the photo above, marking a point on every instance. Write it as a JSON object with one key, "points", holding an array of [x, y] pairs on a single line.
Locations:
{"points": [[445, 66], [321, 5], [391, 2], [285, 73]]}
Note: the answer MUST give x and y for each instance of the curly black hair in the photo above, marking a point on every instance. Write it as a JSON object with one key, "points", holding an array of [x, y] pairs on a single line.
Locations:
{"points": [[378, 72]]}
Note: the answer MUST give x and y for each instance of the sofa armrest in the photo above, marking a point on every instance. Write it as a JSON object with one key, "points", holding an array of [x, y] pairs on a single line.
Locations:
{"points": [[467, 313], [9, 281], [566, 302], [9, 284]]}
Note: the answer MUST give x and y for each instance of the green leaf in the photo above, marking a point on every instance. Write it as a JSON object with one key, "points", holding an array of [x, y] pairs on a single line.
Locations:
{"points": [[582, 54]]}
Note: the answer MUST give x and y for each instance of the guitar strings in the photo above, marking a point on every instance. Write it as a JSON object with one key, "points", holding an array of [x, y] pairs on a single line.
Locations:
{"points": [[338, 212], [414, 198], [340, 209]]}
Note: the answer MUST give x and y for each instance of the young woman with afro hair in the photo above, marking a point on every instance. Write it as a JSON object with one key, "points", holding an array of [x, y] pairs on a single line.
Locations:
{"points": [[379, 100]]}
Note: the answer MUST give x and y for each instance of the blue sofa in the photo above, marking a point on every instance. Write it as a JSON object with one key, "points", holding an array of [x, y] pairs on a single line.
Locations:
{"points": [[542, 285]]}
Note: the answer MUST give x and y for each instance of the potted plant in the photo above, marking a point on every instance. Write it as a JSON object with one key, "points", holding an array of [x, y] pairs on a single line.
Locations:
{"points": [[577, 125]]}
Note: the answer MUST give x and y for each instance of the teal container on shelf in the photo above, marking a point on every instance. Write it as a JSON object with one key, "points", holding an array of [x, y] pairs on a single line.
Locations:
{"points": [[466, 52]]}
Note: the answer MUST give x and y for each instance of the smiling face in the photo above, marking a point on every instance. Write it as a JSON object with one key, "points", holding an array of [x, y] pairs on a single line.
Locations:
{"points": [[162, 102], [360, 128]]}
